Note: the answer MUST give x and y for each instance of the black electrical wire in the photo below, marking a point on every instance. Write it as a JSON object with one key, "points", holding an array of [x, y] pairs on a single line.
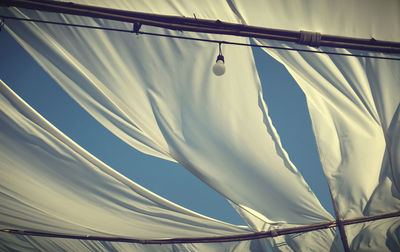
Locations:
{"points": [[137, 31]]}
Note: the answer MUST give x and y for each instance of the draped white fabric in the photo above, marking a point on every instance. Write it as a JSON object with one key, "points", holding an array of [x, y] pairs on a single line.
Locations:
{"points": [[353, 103], [50, 184], [160, 96], [381, 235]]}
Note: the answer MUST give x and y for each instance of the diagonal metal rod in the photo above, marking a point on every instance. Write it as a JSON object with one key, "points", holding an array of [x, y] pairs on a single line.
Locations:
{"points": [[213, 239], [206, 26], [339, 223]]}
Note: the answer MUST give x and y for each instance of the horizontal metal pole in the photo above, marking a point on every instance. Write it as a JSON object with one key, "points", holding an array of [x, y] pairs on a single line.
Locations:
{"points": [[206, 26], [385, 57], [212, 239]]}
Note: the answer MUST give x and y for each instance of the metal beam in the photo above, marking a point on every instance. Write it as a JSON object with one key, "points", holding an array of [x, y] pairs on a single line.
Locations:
{"points": [[339, 223], [213, 239], [207, 26]]}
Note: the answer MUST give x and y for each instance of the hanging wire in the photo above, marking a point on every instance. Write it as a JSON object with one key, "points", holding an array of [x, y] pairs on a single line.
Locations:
{"points": [[137, 26]]}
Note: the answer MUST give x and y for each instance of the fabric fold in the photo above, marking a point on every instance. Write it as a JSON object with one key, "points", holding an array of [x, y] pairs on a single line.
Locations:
{"points": [[353, 102], [50, 184], [160, 96]]}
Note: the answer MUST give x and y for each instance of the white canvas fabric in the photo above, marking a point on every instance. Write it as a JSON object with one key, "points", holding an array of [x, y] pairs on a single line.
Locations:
{"points": [[318, 240], [359, 18], [380, 235], [160, 96], [353, 102], [50, 184]]}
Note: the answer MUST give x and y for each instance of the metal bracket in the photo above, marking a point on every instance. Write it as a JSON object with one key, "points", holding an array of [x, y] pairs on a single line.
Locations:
{"points": [[274, 233], [136, 27], [310, 38]]}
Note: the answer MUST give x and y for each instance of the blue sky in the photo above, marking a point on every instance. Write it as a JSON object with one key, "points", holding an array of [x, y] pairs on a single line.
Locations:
{"points": [[285, 100]]}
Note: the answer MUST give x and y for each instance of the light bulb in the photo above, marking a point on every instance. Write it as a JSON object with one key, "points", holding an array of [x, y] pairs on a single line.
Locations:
{"points": [[219, 66]]}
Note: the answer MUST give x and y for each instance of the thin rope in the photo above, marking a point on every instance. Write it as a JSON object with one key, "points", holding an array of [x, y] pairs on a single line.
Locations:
{"points": [[196, 39]]}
